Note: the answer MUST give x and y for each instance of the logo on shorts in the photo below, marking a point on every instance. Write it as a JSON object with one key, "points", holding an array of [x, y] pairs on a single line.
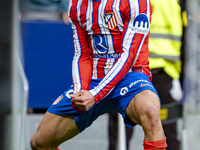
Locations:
{"points": [[134, 83], [123, 91], [68, 93], [142, 85], [57, 100]]}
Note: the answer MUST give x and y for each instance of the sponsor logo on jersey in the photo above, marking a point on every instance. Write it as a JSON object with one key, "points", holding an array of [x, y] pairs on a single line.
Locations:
{"points": [[115, 55], [123, 91], [141, 24], [100, 43], [110, 20], [57, 100]]}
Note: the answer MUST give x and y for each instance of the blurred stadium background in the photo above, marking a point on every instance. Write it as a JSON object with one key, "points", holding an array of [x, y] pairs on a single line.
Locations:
{"points": [[31, 67]]}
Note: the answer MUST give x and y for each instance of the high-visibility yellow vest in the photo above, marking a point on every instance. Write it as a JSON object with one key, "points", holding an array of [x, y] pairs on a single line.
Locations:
{"points": [[165, 36]]}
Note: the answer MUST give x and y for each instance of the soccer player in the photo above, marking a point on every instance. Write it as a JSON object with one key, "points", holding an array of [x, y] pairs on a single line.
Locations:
{"points": [[110, 71]]}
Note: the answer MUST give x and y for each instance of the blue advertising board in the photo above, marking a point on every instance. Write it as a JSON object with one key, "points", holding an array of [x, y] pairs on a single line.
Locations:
{"points": [[48, 52]]}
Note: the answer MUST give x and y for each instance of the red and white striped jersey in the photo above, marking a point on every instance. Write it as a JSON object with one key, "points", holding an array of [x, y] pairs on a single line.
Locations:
{"points": [[110, 39]]}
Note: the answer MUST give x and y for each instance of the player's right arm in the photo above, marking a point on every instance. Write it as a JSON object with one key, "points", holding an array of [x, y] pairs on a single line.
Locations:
{"points": [[81, 64]]}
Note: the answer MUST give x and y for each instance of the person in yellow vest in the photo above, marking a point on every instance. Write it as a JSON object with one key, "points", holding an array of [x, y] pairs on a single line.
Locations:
{"points": [[166, 34], [165, 43]]}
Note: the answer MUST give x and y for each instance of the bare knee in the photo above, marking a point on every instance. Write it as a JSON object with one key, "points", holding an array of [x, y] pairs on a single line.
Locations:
{"points": [[150, 120], [144, 109], [52, 131], [37, 144], [151, 124], [34, 144]]}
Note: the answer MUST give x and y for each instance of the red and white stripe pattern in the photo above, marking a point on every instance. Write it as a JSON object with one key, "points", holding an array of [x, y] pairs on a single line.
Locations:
{"points": [[88, 18]]}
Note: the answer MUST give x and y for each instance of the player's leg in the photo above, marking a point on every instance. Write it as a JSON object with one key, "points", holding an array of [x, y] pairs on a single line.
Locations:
{"points": [[52, 131], [144, 109]]}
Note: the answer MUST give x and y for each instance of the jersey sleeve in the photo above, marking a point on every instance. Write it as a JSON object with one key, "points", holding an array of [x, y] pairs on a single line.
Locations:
{"points": [[81, 64], [135, 32]]}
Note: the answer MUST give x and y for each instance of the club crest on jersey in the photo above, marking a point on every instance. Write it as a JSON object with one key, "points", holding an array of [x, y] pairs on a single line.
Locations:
{"points": [[110, 20], [141, 24]]}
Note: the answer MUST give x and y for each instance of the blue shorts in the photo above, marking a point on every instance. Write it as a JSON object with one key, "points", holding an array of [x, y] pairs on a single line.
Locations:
{"points": [[117, 100]]}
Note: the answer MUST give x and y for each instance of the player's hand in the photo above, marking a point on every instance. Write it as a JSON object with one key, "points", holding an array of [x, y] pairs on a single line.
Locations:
{"points": [[83, 100]]}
